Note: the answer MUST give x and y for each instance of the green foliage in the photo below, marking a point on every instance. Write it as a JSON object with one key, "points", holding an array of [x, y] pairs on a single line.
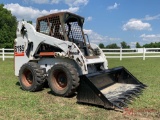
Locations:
{"points": [[29, 22], [8, 25], [101, 45], [124, 45], [138, 45], [113, 46], [152, 45]]}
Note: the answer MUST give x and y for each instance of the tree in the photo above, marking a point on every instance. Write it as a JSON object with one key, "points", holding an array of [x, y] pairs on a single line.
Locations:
{"points": [[29, 22], [138, 45], [124, 45], [8, 26], [113, 46], [152, 45], [101, 45]]}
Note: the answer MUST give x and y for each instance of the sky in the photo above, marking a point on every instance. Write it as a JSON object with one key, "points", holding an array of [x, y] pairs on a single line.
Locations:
{"points": [[106, 21]]}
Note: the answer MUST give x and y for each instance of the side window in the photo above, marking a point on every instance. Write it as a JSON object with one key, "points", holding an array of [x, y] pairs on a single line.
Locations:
{"points": [[74, 31], [56, 29], [44, 27], [51, 26]]}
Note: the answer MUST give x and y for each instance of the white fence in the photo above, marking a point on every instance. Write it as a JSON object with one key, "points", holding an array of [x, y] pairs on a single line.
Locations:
{"points": [[110, 53], [6, 53], [132, 53]]}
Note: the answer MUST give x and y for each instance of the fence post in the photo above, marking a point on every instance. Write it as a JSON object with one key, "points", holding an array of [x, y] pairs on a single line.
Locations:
{"points": [[3, 54], [121, 53], [144, 52]]}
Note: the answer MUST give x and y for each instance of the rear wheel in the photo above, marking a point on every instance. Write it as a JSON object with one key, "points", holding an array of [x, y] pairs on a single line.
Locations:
{"points": [[63, 79], [31, 77]]}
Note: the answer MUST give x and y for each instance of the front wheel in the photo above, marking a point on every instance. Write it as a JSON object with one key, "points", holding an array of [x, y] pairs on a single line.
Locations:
{"points": [[31, 77], [63, 79]]}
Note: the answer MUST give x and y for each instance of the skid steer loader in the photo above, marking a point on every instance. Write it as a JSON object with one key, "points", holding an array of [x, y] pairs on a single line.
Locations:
{"points": [[58, 51]]}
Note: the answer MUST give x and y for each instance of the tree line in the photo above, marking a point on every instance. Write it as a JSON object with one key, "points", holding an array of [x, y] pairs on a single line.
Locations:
{"points": [[114, 45], [124, 45], [8, 27]]}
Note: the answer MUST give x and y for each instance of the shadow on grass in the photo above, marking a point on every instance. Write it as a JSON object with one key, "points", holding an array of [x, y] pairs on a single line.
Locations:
{"points": [[71, 96], [17, 83], [45, 86], [101, 107]]}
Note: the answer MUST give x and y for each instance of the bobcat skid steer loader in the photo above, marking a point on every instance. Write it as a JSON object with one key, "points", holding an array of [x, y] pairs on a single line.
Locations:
{"points": [[58, 51]]}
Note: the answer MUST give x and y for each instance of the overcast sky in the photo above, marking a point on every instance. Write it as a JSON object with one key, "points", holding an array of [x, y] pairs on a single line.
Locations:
{"points": [[106, 21]]}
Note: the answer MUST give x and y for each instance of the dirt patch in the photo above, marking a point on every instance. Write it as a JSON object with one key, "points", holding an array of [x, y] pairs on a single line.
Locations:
{"points": [[4, 98], [142, 114]]}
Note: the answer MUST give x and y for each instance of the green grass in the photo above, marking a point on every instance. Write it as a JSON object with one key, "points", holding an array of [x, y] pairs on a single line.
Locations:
{"points": [[16, 104]]}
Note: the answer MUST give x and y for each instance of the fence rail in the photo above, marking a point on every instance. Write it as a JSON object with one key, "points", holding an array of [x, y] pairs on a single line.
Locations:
{"points": [[110, 53], [6, 53], [132, 53]]}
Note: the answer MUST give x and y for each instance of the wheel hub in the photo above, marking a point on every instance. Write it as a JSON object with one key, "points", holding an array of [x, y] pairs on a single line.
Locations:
{"points": [[62, 81], [27, 78]]}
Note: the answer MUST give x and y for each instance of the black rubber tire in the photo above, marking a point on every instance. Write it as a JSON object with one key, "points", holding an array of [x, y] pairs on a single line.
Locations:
{"points": [[63, 79], [31, 77]]}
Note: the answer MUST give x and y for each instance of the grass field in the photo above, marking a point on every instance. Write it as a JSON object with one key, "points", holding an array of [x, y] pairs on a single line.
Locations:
{"points": [[16, 104]]}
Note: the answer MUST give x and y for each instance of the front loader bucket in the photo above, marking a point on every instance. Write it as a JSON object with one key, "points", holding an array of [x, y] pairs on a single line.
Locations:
{"points": [[111, 89]]}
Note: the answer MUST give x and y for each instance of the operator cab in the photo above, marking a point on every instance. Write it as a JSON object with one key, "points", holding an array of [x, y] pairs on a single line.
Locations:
{"points": [[64, 26]]}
